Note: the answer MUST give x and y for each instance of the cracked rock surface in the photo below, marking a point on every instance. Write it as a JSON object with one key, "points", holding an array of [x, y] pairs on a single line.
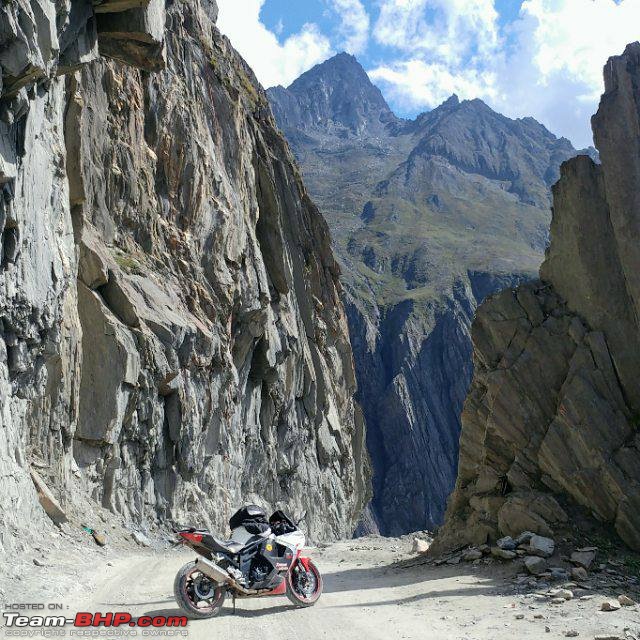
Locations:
{"points": [[172, 339], [552, 414]]}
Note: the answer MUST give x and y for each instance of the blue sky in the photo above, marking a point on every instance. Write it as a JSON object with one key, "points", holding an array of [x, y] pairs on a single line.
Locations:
{"points": [[540, 58]]}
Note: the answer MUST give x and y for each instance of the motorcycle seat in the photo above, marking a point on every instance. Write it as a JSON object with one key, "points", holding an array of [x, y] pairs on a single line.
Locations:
{"points": [[231, 545], [226, 546]]}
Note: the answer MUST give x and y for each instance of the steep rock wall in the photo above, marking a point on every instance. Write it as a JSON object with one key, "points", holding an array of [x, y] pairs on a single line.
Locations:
{"points": [[552, 414], [173, 342], [414, 367]]}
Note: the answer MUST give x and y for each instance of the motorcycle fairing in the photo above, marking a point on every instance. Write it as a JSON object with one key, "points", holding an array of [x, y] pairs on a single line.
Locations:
{"points": [[263, 559]]}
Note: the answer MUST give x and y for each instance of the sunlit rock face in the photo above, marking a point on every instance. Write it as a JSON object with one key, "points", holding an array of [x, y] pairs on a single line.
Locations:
{"points": [[173, 342]]}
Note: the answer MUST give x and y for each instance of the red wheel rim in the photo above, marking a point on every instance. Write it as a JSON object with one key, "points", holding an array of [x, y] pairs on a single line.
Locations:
{"points": [[303, 597], [189, 590]]}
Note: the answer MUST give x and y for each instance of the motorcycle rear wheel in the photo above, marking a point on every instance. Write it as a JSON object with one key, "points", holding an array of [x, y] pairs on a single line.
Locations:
{"points": [[190, 589], [304, 588]]}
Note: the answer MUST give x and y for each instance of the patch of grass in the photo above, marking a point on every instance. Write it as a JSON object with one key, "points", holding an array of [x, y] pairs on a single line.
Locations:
{"points": [[126, 262], [426, 225], [249, 89]]}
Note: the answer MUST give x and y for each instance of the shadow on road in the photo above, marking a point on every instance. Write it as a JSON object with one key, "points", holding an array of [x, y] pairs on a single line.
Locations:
{"points": [[427, 595], [402, 574], [256, 613], [136, 604], [227, 610]]}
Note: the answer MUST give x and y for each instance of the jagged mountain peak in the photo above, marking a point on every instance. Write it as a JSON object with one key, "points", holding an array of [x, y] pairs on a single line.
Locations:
{"points": [[334, 69], [521, 153], [334, 93], [451, 101], [342, 71]]}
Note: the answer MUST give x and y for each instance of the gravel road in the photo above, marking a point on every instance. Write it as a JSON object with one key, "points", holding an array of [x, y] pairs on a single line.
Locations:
{"points": [[374, 589]]}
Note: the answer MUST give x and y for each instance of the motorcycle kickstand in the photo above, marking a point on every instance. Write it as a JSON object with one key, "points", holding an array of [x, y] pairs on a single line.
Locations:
{"points": [[233, 598]]}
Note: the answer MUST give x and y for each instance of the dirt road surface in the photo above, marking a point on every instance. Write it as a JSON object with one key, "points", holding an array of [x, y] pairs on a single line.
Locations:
{"points": [[374, 589]]}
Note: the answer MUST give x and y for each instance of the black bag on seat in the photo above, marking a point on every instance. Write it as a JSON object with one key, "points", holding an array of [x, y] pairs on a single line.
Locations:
{"points": [[281, 524], [252, 518]]}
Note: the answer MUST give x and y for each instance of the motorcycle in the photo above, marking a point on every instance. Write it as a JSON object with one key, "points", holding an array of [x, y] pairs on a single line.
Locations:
{"points": [[262, 558]]}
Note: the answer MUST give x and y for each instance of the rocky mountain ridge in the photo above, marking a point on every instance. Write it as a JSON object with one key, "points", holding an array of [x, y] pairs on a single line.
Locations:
{"points": [[173, 343], [428, 217], [551, 421], [336, 94]]}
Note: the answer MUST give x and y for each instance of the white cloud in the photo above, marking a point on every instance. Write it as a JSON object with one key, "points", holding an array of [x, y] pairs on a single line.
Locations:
{"points": [[415, 84], [555, 72], [354, 25], [575, 37], [450, 46], [547, 63], [273, 62], [445, 30]]}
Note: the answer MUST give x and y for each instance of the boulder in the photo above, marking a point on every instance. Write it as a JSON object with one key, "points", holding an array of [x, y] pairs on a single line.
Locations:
{"points": [[579, 573], [559, 573], [541, 546], [419, 546], [524, 538], [584, 559], [503, 554], [507, 543], [626, 601], [535, 565]]}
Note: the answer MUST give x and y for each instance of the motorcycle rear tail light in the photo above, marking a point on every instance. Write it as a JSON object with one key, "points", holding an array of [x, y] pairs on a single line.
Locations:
{"points": [[194, 537]]}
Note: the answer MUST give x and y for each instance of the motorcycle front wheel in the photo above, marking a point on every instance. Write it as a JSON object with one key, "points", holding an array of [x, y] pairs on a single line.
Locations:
{"points": [[196, 594], [304, 587]]}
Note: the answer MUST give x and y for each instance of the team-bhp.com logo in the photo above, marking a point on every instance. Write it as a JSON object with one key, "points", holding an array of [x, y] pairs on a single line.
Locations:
{"points": [[86, 619]]}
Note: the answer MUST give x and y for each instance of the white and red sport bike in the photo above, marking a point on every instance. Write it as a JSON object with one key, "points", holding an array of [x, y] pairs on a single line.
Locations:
{"points": [[262, 558]]}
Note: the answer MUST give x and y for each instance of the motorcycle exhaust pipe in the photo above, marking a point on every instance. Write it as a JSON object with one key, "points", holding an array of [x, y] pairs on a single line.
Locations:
{"points": [[213, 571], [219, 575]]}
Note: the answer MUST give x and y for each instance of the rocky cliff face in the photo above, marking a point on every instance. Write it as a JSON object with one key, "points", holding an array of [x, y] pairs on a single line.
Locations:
{"points": [[428, 217], [173, 342], [552, 415]]}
